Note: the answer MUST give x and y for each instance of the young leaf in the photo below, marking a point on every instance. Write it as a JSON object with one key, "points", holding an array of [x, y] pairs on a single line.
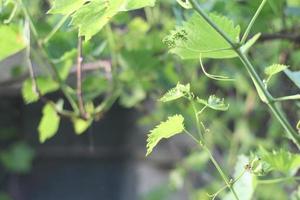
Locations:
{"points": [[282, 161], [174, 125], [294, 76], [44, 84], [11, 41], [176, 92], [49, 123], [275, 69], [214, 103], [197, 37]]}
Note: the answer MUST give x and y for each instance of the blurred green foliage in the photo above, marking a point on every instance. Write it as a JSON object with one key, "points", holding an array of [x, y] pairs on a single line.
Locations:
{"points": [[138, 69]]}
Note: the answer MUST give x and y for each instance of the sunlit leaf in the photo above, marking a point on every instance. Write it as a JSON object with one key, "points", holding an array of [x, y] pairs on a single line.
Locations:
{"points": [[176, 93], [80, 125], [196, 37], [91, 16], [173, 126], [44, 84], [49, 123], [66, 7], [11, 41]]}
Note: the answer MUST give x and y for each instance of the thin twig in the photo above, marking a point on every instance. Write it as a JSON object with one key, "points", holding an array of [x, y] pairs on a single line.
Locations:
{"points": [[65, 89], [33, 77], [79, 78]]}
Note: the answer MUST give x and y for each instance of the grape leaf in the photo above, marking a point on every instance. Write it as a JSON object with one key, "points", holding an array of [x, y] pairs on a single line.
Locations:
{"points": [[196, 37], [49, 123], [282, 160], [176, 92], [174, 125], [11, 41], [214, 103], [91, 16]]}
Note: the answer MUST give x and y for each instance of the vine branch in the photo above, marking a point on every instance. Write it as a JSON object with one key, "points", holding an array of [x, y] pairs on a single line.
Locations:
{"points": [[79, 78], [266, 97]]}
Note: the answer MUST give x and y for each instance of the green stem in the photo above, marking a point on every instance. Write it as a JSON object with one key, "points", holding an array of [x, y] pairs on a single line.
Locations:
{"points": [[258, 11], [197, 119], [278, 180], [224, 177], [201, 143], [55, 29], [260, 86], [287, 98]]}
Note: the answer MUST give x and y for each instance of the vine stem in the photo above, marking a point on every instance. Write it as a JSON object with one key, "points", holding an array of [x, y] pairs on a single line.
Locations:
{"points": [[79, 78], [278, 180], [55, 29], [65, 89], [245, 36], [114, 90], [206, 149], [224, 177], [35, 88], [266, 97], [215, 163]]}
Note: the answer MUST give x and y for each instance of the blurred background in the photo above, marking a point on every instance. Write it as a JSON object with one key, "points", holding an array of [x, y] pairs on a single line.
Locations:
{"points": [[108, 160]]}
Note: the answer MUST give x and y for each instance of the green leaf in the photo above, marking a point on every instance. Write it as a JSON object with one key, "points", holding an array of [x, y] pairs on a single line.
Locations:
{"points": [[275, 69], [91, 16], [136, 4], [196, 37], [294, 76], [282, 161], [49, 123], [44, 84], [17, 158], [173, 126], [214, 103], [66, 7], [176, 93], [11, 41], [80, 125]]}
